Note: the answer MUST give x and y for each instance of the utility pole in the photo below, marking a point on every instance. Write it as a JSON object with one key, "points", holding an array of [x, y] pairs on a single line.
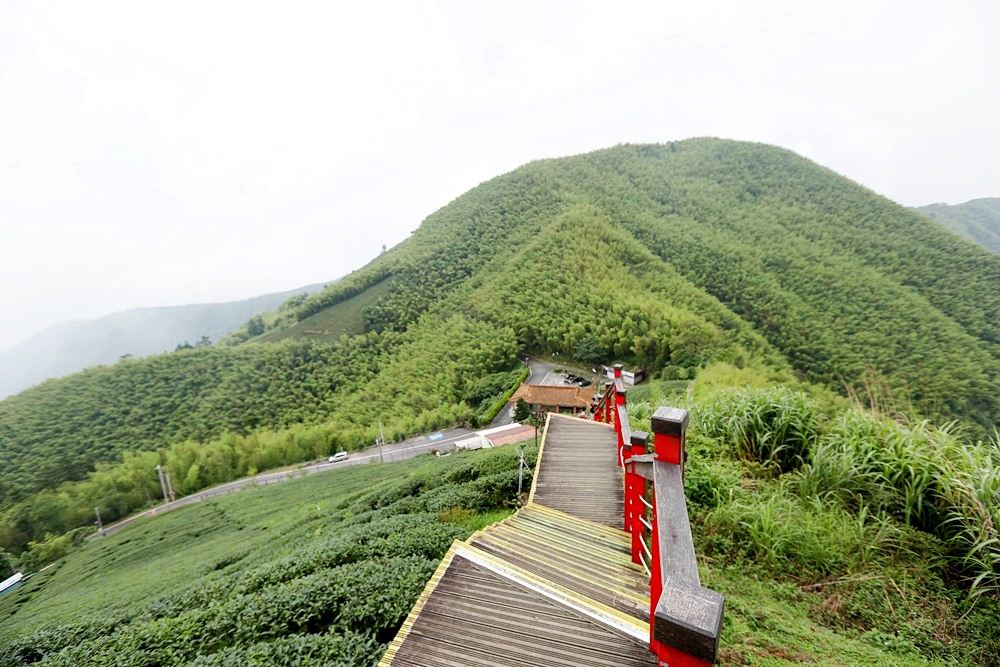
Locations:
{"points": [[100, 524], [170, 487], [163, 483], [381, 441]]}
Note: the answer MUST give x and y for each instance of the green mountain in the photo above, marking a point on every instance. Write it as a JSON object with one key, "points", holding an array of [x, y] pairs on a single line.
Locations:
{"points": [[677, 257], [977, 220], [72, 346], [839, 535]]}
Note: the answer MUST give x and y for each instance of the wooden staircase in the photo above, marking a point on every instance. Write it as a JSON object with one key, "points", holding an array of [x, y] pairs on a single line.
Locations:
{"points": [[562, 582], [553, 584]]}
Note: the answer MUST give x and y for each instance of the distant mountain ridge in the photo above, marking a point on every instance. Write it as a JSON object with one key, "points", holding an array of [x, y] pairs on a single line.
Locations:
{"points": [[72, 346], [977, 220]]}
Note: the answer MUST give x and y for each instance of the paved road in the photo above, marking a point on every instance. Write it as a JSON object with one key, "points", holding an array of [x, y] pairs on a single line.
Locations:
{"points": [[541, 372], [423, 444]]}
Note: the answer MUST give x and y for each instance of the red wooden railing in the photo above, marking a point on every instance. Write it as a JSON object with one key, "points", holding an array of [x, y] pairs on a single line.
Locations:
{"points": [[685, 618]]}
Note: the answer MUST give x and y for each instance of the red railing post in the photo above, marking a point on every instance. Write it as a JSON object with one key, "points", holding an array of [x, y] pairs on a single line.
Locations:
{"points": [[655, 577], [635, 488], [682, 612], [669, 428], [619, 402]]}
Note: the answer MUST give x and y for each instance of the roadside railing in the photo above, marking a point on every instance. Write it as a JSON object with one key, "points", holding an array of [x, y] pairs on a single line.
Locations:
{"points": [[685, 618]]}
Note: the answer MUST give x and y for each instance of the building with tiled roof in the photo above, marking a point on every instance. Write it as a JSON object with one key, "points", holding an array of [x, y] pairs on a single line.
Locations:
{"points": [[569, 399]]}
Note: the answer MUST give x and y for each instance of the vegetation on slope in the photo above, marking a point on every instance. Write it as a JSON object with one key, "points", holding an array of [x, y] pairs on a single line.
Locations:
{"points": [[856, 523], [810, 526], [977, 220], [317, 571], [672, 257], [844, 283]]}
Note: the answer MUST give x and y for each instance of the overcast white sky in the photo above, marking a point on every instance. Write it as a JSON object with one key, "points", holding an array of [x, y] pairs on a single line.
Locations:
{"points": [[185, 152]]}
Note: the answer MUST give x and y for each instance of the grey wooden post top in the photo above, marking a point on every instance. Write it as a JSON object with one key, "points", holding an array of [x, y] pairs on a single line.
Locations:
{"points": [[669, 421], [640, 438], [689, 617]]}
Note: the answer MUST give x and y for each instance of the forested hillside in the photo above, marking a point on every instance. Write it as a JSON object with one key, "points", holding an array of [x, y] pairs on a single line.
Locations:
{"points": [[676, 257], [977, 220]]}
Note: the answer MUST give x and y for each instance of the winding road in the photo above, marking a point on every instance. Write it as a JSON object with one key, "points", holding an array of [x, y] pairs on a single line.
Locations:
{"points": [[541, 372]]}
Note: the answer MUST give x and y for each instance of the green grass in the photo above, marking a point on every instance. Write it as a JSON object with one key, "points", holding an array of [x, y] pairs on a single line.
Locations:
{"points": [[660, 391], [889, 527], [347, 317], [160, 553], [844, 539], [776, 623]]}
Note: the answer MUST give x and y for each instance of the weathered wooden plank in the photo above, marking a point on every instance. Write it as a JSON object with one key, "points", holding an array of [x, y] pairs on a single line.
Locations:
{"points": [[676, 545], [525, 629], [577, 471]]}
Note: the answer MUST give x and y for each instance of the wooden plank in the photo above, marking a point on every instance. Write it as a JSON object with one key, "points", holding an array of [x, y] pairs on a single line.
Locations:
{"points": [[526, 629], [551, 585], [676, 545]]}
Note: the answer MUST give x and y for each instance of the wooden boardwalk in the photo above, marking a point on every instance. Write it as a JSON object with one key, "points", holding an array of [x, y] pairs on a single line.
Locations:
{"points": [[577, 472], [551, 585]]}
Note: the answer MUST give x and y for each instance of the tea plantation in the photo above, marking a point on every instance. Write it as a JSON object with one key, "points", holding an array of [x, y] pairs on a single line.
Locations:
{"points": [[320, 570]]}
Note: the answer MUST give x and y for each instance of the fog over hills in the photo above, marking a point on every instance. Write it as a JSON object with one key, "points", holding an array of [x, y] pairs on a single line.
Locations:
{"points": [[69, 347]]}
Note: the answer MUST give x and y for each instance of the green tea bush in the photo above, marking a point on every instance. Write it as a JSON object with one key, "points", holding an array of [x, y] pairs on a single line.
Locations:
{"points": [[348, 649], [327, 579]]}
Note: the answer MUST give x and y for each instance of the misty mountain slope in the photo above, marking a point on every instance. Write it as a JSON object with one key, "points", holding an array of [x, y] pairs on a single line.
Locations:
{"points": [[67, 348], [668, 256], [977, 220]]}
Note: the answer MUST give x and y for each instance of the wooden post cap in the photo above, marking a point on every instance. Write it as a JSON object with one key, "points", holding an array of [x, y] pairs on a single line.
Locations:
{"points": [[669, 421], [640, 438], [689, 618]]}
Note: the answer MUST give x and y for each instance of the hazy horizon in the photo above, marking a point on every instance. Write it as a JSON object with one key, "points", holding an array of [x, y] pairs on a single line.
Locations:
{"points": [[163, 155]]}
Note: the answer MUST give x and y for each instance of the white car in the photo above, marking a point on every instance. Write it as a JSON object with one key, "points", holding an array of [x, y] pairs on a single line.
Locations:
{"points": [[339, 456]]}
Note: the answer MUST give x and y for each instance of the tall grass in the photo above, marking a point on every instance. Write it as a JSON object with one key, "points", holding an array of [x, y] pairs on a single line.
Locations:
{"points": [[865, 464], [775, 426], [805, 537], [924, 476]]}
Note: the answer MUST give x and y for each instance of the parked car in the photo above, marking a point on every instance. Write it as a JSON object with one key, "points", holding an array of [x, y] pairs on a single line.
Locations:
{"points": [[572, 378], [583, 383], [339, 456]]}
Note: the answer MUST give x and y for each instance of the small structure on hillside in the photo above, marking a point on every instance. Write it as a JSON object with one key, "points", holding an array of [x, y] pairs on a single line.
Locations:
{"points": [[496, 436], [10, 583], [472, 443], [504, 435], [631, 378], [564, 400]]}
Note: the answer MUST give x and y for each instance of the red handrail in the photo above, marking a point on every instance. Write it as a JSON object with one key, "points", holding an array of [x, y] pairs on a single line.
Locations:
{"points": [[685, 618]]}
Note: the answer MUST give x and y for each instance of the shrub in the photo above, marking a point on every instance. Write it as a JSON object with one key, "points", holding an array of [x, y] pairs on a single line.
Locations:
{"points": [[776, 426], [925, 477]]}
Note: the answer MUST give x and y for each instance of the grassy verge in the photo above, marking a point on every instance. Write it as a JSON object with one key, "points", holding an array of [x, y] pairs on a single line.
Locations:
{"points": [[842, 539]]}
